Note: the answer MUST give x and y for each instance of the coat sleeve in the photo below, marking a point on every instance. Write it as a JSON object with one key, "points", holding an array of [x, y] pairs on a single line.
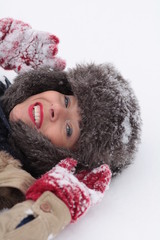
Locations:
{"points": [[49, 215], [14, 181]]}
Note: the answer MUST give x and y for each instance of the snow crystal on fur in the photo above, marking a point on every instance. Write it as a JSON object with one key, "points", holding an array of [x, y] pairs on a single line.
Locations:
{"points": [[127, 130]]}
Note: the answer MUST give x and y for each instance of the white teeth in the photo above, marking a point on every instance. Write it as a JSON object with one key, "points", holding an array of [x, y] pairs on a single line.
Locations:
{"points": [[36, 114]]}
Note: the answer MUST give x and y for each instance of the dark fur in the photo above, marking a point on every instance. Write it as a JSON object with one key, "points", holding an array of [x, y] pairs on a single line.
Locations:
{"points": [[36, 152], [106, 101]]}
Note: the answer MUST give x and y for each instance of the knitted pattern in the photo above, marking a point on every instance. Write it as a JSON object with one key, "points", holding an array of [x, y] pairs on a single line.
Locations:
{"points": [[22, 48], [78, 192]]}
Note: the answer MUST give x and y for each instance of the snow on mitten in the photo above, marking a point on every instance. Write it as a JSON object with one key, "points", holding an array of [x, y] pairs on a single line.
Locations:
{"points": [[97, 181], [22, 48], [76, 194]]}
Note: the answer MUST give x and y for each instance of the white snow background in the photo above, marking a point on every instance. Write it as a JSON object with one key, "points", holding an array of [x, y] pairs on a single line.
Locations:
{"points": [[127, 34]]}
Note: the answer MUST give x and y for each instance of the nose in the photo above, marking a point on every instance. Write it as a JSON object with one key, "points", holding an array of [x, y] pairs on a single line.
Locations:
{"points": [[57, 111]]}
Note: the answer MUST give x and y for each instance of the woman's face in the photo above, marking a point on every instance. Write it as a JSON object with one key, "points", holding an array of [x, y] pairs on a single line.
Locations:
{"points": [[53, 114]]}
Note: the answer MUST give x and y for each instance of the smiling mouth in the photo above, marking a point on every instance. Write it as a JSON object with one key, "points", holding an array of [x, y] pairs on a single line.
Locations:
{"points": [[36, 114]]}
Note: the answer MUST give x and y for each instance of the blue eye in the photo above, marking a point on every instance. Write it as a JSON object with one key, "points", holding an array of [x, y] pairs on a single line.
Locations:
{"points": [[68, 131], [66, 100]]}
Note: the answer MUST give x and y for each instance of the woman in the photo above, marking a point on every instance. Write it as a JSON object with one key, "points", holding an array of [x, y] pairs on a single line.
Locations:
{"points": [[88, 113]]}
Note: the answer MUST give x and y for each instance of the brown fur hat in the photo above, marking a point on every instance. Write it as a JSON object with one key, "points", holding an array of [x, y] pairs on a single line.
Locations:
{"points": [[110, 126]]}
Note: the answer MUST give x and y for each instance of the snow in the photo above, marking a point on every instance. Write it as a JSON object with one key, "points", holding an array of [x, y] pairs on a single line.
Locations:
{"points": [[127, 130], [29, 212], [2, 79], [50, 237], [96, 196], [64, 178], [127, 34]]}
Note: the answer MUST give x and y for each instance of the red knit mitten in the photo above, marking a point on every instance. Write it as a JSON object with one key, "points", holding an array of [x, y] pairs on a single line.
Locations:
{"points": [[22, 48], [97, 181], [76, 194]]}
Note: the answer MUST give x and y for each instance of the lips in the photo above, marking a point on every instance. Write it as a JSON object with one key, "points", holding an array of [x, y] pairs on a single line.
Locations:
{"points": [[36, 114]]}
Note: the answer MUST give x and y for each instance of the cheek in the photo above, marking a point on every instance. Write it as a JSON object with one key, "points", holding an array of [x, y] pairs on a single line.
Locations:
{"points": [[54, 134], [15, 114]]}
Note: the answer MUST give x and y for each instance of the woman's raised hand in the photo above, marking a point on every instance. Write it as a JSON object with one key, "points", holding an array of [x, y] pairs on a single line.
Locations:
{"points": [[23, 48]]}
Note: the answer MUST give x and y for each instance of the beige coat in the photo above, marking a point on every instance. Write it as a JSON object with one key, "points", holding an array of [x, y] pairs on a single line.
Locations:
{"points": [[51, 215], [13, 181]]}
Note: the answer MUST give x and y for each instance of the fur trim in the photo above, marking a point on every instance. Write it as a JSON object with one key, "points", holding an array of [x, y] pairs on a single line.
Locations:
{"points": [[34, 82], [6, 159], [110, 128], [38, 155]]}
